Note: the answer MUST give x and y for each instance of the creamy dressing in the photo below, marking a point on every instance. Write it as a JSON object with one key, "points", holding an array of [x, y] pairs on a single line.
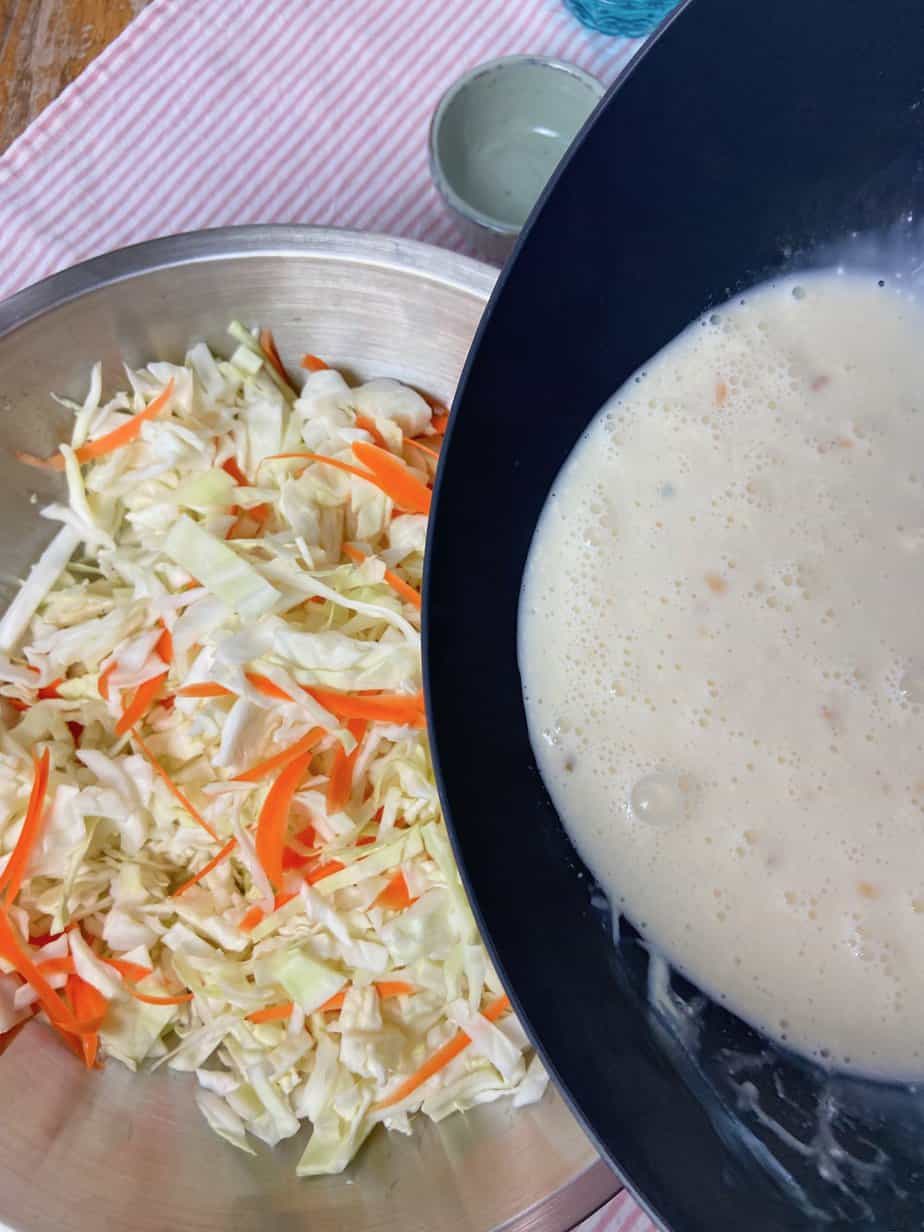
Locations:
{"points": [[722, 650]]}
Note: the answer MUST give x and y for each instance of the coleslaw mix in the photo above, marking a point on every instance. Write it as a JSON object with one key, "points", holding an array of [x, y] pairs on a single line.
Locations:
{"points": [[222, 845]]}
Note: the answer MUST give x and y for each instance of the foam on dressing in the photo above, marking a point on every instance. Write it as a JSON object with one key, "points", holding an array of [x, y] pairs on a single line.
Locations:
{"points": [[722, 650]]}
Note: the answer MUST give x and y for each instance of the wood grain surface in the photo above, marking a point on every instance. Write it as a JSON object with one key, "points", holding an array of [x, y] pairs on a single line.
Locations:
{"points": [[44, 45]]}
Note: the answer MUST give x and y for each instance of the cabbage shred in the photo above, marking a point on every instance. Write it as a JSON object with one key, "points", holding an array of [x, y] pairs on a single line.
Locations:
{"points": [[252, 583]]}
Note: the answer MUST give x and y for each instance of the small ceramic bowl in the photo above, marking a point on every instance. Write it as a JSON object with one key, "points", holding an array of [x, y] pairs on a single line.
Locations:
{"points": [[496, 137]]}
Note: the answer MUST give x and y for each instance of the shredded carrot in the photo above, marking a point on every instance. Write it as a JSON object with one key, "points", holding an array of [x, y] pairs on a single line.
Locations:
{"points": [[340, 783], [398, 584], [405, 708], [230, 467], [332, 1003], [15, 953], [313, 363], [274, 816], [144, 698], [395, 896], [431, 453], [293, 860], [102, 684], [440, 422], [17, 704], [180, 998], [307, 837], [256, 914], [324, 870], [272, 1013], [50, 690], [57, 966], [393, 988], [441, 1057], [394, 478], [207, 868], [130, 970], [90, 1009], [268, 346], [279, 760], [346, 467], [89, 1003], [385, 989], [172, 787], [123, 435], [164, 646], [206, 689], [369, 425], [265, 686], [13, 873]]}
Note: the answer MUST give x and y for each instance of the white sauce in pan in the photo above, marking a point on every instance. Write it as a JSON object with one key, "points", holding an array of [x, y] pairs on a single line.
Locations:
{"points": [[722, 651]]}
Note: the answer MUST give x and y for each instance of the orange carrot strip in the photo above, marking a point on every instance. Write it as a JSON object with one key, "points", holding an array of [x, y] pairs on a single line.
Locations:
{"points": [[332, 1003], [13, 950], [279, 760], [57, 966], [230, 467], [17, 704], [148, 999], [207, 868], [307, 837], [127, 432], [103, 683], [93, 1011], [398, 584], [313, 363], [164, 646], [404, 708], [172, 787], [395, 896], [431, 453], [274, 816], [50, 690], [324, 870], [340, 783], [268, 346], [130, 970], [206, 689], [272, 1013], [440, 422], [369, 425], [266, 686], [145, 696], [326, 461], [124, 434], [256, 914], [394, 478], [12, 875], [89, 1007], [441, 1057], [393, 988]]}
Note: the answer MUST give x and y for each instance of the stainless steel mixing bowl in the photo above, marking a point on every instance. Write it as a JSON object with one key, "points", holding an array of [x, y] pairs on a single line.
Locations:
{"points": [[120, 1151]]}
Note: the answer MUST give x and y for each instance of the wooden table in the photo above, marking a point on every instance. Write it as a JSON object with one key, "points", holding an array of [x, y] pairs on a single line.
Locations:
{"points": [[44, 44]]}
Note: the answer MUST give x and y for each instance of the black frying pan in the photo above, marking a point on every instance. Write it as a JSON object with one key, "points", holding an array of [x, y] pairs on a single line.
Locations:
{"points": [[745, 138]]}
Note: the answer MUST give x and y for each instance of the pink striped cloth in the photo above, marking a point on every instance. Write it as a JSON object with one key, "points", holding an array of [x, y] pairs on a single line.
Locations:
{"points": [[206, 113]]}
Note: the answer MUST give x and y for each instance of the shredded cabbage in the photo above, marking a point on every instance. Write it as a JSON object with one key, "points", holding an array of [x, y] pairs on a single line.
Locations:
{"points": [[199, 586]]}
